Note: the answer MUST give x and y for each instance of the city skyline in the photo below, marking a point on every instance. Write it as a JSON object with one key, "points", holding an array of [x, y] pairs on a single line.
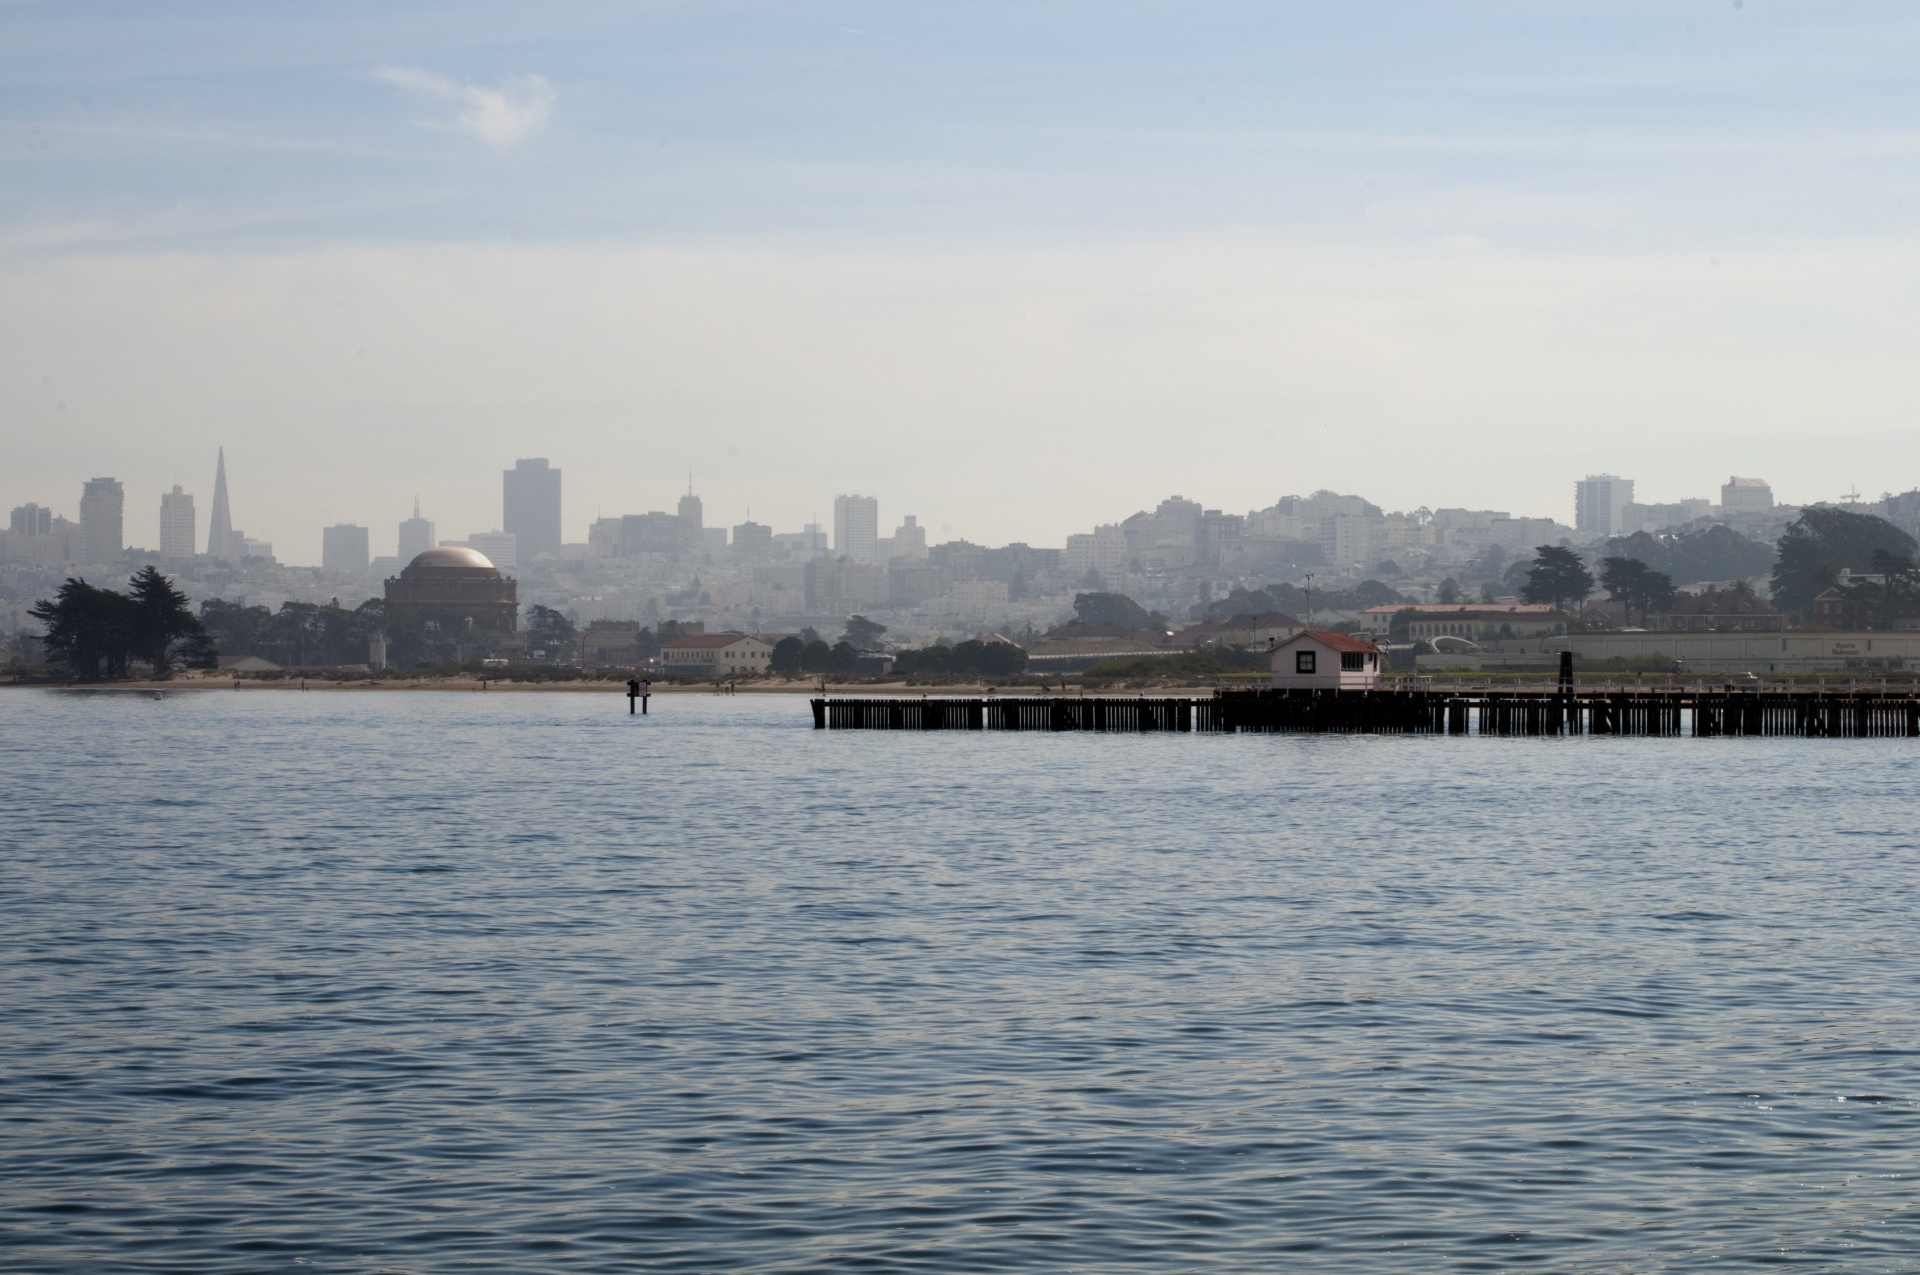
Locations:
{"points": [[1011, 283], [441, 530]]}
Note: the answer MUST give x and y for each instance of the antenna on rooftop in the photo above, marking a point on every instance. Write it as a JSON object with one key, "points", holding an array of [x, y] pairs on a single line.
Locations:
{"points": [[1851, 495]]}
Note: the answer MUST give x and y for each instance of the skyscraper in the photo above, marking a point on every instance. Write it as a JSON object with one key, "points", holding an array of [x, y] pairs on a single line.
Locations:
{"points": [[530, 507], [221, 542], [692, 513], [103, 505], [856, 528], [416, 535], [176, 524], [1599, 500], [343, 547]]}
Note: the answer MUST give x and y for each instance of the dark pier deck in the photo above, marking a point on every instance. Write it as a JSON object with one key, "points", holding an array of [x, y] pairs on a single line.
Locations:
{"points": [[1808, 713]]}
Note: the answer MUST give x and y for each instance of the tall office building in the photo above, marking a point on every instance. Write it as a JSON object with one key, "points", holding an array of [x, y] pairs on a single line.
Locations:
{"points": [[1599, 503], [856, 528], [343, 547], [176, 524], [221, 542], [103, 506], [692, 514], [530, 507], [416, 535]]}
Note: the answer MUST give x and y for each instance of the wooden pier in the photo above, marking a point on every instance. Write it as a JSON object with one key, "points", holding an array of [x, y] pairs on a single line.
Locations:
{"points": [[1824, 714]]}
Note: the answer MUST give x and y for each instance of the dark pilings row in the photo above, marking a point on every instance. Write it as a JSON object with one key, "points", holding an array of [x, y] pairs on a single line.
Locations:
{"points": [[1817, 714]]}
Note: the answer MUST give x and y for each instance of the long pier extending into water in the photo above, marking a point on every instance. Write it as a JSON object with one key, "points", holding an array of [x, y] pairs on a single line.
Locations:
{"points": [[1850, 714]]}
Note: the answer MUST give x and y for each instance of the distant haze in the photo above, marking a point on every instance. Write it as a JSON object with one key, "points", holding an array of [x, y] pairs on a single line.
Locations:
{"points": [[1016, 273]]}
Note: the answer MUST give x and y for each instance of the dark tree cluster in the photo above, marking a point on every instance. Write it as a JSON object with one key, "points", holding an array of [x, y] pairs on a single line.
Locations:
{"points": [[99, 633], [1822, 543], [1690, 557], [1636, 586], [1292, 600], [1110, 608], [793, 656], [317, 635], [971, 658]]}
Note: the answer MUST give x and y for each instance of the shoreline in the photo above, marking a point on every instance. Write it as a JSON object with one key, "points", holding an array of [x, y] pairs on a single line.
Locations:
{"points": [[476, 686]]}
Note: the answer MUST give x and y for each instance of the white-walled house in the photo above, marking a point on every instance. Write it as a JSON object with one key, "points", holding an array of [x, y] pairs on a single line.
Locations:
{"points": [[1319, 661]]}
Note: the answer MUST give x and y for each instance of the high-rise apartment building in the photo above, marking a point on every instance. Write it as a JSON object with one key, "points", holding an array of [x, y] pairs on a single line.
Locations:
{"points": [[856, 528], [1746, 496], [1599, 503], [343, 548], [530, 507], [416, 535], [176, 524], [103, 506], [31, 520], [221, 542]]}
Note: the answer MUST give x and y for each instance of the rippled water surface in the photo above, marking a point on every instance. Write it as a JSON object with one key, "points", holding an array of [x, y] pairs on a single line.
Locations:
{"points": [[426, 982]]}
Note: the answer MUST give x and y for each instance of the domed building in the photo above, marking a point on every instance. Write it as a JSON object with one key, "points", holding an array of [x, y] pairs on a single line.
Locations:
{"points": [[455, 587]]}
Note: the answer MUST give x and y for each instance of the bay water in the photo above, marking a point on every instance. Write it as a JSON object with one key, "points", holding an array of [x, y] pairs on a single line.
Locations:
{"points": [[370, 981]]}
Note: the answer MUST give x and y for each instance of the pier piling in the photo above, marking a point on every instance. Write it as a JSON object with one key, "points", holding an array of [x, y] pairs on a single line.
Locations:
{"points": [[1563, 710]]}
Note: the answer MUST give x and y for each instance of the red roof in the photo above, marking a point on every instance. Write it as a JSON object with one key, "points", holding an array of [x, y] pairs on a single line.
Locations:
{"points": [[1338, 641], [705, 641]]}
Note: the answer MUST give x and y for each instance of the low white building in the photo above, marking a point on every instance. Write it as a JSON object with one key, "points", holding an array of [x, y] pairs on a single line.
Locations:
{"points": [[715, 655], [1320, 661]]}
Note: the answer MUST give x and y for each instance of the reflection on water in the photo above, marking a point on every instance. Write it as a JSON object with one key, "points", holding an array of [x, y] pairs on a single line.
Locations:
{"points": [[428, 982]]}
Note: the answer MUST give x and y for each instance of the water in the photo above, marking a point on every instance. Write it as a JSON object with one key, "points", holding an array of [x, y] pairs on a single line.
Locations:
{"points": [[429, 982]]}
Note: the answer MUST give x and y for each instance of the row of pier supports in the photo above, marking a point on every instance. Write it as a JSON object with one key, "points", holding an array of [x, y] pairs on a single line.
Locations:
{"points": [[1813, 714]]}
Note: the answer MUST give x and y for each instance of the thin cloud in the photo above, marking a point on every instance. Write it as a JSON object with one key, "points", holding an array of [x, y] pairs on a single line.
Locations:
{"points": [[500, 117]]}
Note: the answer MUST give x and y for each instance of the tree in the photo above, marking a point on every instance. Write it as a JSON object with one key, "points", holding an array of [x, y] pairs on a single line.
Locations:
{"points": [[550, 632], [1110, 608], [843, 658], [1632, 583], [1821, 543], [816, 657], [1515, 576], [1557, 577], [862, 632], [165, 630], [787, 655], [1449, 591], [91, 630]]}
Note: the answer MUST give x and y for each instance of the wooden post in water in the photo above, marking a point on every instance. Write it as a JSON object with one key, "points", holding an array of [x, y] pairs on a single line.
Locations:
{"points": [[637, 691]]}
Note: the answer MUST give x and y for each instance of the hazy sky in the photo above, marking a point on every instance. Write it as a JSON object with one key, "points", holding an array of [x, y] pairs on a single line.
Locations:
{"points": [[1014, 268]]}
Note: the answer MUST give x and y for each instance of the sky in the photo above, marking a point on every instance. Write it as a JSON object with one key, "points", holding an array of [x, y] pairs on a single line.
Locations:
{"points": [[1016, 269]]}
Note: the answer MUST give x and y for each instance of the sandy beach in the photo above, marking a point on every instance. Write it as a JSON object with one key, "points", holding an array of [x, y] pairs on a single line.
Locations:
{"points": [[491, 686]]}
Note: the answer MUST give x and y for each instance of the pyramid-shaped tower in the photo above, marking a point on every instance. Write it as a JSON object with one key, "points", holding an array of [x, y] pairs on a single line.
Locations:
{"points": [[220, 525]]}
